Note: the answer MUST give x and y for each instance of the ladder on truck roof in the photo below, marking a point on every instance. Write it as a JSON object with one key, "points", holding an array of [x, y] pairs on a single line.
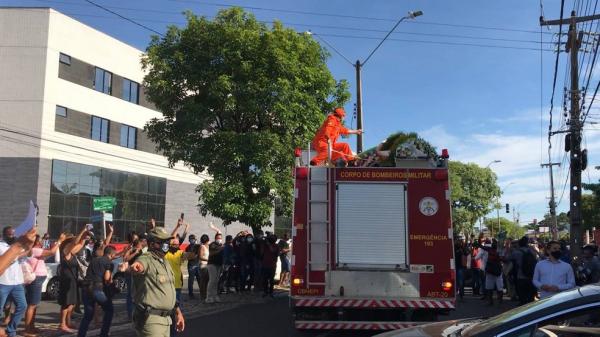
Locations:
{"points": [[319, 222]]}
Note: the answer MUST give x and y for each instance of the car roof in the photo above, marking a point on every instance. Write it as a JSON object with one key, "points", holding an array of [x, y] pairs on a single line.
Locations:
{"points": [[565, 300]]}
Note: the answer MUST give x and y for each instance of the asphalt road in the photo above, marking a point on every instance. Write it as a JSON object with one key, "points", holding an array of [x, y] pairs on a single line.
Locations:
{"points": [[272, 319]]}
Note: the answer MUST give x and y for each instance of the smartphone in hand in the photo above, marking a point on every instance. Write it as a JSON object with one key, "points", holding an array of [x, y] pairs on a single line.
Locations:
{"points": [[89, 226], [181, 216]]}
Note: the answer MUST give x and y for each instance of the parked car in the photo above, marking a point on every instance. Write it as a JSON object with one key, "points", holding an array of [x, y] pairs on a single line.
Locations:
{"points": [[571, 313], [52, 283]]}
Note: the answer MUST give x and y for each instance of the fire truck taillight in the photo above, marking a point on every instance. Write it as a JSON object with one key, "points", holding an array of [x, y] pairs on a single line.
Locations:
{"points": [[446, 286], [297, 152], [297, 281], [445, 154]]}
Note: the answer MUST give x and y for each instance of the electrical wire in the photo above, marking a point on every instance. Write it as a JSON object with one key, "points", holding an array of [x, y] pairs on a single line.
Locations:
{"points": [[309, 25], [353, 16], [124, 17]]}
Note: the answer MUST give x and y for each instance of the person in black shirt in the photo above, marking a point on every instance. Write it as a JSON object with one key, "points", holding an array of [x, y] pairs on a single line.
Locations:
{"points": [[97, 289], [193, 265]]}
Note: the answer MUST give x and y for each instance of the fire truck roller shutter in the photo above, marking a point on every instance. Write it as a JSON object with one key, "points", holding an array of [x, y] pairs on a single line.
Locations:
{"points": [[371, 225]]}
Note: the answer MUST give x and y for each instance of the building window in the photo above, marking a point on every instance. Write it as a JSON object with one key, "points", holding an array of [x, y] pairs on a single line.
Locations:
{"points": [[103, 81], [128, 136], [74, 187], [100, 129], [61, 111], [130, 91], [64, 58]]}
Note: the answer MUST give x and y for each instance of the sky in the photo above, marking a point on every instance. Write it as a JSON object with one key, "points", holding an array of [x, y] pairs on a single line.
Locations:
{"points": [[474, 76]]}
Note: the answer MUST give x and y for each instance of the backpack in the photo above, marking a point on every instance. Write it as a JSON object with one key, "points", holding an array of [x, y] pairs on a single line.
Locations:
{"points": [[528, 262], [493, 265]]}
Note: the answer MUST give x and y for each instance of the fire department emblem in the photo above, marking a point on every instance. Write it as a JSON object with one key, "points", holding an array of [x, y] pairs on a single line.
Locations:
{"points": [[428, 206]]}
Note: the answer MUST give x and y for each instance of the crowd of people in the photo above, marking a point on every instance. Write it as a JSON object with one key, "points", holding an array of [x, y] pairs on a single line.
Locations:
{"points": [[523, 269], [87, 264]]}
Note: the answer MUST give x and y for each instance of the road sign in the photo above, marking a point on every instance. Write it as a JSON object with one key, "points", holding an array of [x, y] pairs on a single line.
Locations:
{"points": [[104, 203]]}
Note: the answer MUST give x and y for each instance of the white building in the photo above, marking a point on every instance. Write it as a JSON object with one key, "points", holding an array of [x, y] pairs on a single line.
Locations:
{"points": [[72, 113]]}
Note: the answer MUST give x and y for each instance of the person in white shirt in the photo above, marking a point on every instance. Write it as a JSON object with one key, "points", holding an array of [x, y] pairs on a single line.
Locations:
{"points": [[552, 275], [11, 283]]}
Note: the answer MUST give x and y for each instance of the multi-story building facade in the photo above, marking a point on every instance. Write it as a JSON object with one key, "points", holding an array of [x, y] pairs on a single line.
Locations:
{"points": [[72, 116]]}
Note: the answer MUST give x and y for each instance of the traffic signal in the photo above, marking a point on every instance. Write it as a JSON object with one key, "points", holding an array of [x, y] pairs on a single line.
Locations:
{"points": [[507, 208]]}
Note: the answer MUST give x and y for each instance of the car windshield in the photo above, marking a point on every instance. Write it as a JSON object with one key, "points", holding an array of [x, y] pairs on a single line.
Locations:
{"points": [[523, 311]]}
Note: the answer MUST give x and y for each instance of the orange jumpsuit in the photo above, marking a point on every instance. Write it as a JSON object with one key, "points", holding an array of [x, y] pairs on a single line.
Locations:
{"points": [[331, 130]]}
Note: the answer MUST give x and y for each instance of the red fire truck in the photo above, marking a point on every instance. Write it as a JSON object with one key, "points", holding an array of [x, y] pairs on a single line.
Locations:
{"points": [[372, 246]]}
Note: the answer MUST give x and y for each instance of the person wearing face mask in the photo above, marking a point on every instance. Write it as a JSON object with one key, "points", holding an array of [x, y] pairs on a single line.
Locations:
{"points": [[246, 263], [98, 289], [215, 264], [193, 266], [155, 304], [176, 257], [552, 275]]}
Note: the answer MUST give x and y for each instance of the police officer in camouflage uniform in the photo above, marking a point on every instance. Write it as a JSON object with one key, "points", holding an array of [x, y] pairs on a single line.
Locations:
{"points": [[153, 289]]}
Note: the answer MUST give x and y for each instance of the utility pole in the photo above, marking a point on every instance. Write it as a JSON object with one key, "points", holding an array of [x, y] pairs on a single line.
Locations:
{"points": [[552, 203], [572, 47], [359, 115]]}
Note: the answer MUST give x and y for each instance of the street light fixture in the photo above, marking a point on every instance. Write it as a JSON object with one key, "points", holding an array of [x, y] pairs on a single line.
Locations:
{"points": [[493, 162], [358, 66]]}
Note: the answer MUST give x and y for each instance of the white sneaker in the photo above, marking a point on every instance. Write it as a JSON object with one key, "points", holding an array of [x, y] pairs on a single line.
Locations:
{"points": [[209, 301]]}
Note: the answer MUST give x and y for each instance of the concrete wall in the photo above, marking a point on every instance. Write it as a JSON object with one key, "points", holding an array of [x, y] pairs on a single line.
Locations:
{"points": [[179, 199]]}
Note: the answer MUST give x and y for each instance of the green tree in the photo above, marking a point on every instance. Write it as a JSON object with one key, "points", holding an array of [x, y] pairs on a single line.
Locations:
{"points": [[562, 221], [589, 211], [507, 227], [473, 192], [237, 96]]}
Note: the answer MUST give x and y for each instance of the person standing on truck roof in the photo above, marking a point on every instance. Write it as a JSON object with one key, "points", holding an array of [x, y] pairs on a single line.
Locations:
{"points": [[329, 132]]}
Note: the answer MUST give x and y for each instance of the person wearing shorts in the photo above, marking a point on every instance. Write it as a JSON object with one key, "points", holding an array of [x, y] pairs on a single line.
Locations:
{"points": [[33, 291]]}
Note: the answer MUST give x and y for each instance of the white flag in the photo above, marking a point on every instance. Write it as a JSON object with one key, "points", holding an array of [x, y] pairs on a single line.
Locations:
{"points": [[29, 221]]}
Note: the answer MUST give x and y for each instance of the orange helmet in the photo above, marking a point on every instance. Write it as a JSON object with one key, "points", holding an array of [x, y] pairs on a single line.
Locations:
{"points": [[339, 112]]}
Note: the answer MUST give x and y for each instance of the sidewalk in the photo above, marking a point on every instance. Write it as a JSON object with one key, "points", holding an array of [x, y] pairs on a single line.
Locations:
{"points": [[48, 314]]}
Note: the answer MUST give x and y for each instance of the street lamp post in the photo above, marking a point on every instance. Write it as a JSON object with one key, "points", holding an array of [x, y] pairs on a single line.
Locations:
{"points": [[488, 166], [358, 67]]}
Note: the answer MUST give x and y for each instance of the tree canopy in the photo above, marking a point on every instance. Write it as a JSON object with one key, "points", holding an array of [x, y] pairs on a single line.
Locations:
{"points": [[508, 229], [473, 191], [237, 96], [590, 204]]}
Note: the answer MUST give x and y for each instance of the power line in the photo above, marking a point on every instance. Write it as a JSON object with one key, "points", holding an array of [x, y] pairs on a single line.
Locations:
{"points": [[307, 25], [124, 17], [437, 42], [129, 159], [354, 17]]}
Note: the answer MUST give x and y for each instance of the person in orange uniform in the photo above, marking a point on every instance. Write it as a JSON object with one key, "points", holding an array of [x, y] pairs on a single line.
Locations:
{"points": [[330, 131]]}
